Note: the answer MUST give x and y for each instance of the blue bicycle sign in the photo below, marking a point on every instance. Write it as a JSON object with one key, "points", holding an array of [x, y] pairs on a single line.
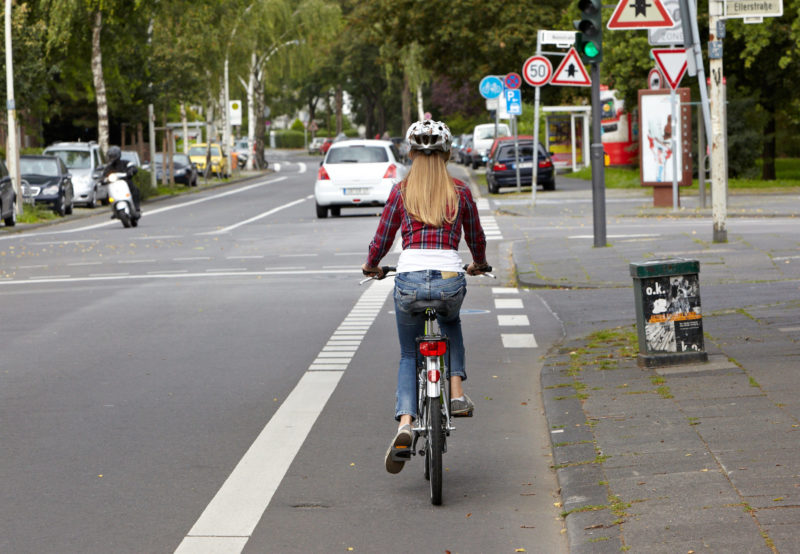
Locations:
{"points": [[491, 87]]}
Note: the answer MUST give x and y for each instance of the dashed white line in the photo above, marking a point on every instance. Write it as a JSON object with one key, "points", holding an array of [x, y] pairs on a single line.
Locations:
{"points": [[513, 320], [508, 303], [525, 340]]}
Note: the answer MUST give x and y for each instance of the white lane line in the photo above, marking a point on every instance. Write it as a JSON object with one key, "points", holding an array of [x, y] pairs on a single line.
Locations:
{"points": [[513, 320], [508, 303], [77, 264], [191, 259], [298, 255], [523, 340], [302, 168], [615, 236], [135, 261], [788, 329], [230, 518], [154, 212], [108, 275], [256, 257], [166, 274], [256, 218], [224, 269]]}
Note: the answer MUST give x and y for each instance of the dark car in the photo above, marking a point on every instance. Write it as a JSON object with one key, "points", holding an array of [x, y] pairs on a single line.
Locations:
{"points": [[8, 198], [185, 170], [465, 150], [502, 169], [46, 180]]}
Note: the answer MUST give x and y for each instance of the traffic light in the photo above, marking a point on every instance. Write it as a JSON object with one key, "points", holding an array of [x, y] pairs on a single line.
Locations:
{"points": [[589, 38]]}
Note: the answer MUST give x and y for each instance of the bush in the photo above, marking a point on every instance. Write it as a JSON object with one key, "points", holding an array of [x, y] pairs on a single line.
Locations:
{"points": [[297, 125], [141, 179], [289, 139]]}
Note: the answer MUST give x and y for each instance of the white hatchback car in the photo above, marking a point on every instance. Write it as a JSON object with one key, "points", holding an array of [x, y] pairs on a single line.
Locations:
{"points": [[357, 173]]}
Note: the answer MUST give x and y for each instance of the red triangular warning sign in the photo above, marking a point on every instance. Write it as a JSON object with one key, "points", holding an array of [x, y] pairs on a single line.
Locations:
{"points": [[673, 64], [571, 72], [640, 14]]}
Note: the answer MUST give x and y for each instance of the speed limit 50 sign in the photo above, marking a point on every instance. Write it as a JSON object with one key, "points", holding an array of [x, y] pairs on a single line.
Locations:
{"points": [[537, 71]]}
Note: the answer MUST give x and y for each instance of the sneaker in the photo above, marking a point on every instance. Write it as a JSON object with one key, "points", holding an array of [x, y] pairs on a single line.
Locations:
{"points": [[402, 441], [461, 408]]}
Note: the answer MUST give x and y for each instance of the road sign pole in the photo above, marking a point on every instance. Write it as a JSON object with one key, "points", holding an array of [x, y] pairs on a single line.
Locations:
{"points": [[598, 164], [674, 143]]}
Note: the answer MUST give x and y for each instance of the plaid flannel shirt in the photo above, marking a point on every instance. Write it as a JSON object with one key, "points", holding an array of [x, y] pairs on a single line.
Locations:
{"points": [[420, 235]]}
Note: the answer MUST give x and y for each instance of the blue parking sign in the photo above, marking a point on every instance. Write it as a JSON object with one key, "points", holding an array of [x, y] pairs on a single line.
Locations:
{"points": [[513, 101]]}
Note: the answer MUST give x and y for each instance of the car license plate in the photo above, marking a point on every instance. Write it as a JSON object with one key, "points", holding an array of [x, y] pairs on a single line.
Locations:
{"points": [[525, 165], [354, 191]]}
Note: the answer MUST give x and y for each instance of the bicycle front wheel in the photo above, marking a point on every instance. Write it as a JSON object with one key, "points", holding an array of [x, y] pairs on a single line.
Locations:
{"points": [[433, 456]]}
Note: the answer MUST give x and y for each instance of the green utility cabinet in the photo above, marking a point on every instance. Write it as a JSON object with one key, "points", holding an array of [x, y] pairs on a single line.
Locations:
{"points": [[669, 321]]}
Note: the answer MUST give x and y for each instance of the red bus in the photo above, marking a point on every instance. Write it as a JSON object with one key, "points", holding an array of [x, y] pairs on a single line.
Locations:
{"points": [[620, 130]]}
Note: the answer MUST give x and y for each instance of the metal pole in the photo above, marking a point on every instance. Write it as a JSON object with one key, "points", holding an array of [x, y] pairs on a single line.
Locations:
{"points": [[598, 164], [227, 118], [701, 74], [719, 177], [674, 146], [516, 151], [151, 137], [701, 158], [535, 176]]}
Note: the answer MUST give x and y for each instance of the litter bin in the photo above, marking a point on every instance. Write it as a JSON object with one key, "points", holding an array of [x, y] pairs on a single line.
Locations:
{"points": [[669, 321]]}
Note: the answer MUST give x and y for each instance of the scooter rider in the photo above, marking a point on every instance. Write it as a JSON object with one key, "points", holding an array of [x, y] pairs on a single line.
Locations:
{"points": [[117, 165]]}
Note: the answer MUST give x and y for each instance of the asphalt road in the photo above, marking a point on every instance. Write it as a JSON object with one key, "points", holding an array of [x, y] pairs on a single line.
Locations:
{"points": [[217, 380]]}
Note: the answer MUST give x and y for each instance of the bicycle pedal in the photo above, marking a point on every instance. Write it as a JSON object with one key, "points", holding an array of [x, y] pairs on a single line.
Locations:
{"points": [[465, 414], [401, 453]]}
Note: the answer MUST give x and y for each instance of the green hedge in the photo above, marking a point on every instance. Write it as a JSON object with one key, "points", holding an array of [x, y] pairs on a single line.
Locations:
{"points": [[289, 139]]}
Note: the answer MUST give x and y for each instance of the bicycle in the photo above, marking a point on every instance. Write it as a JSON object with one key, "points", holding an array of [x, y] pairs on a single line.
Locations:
{"points": [[433, 423]]}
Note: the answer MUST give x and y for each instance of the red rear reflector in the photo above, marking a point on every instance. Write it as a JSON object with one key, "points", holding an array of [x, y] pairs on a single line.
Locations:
{"points": [[391, 172], [322, 174], [499, 167], [434, 375], [432, 348], [546, 163]]}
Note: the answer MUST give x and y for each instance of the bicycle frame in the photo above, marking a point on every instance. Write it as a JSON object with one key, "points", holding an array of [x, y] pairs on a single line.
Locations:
{"points": [[432, 376]]}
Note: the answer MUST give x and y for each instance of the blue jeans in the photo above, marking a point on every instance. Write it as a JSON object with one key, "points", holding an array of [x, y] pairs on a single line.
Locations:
{"points": [[425, 285]]}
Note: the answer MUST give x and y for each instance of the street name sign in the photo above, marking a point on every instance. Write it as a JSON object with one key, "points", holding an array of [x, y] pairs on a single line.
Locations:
{"points": [[537, 70], [672, 62], [639, 14], [562, 39], [571, 72], [753, 9]]}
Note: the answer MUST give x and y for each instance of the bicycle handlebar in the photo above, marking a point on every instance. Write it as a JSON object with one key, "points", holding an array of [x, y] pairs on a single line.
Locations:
{"points": [[386, 269]]}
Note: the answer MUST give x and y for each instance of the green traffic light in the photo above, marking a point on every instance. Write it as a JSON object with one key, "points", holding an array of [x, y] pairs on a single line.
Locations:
{"points": [[590, 50]]}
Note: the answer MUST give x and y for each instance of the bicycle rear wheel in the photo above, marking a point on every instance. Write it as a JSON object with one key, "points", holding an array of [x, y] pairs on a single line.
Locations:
{"points": [[435, 446]]}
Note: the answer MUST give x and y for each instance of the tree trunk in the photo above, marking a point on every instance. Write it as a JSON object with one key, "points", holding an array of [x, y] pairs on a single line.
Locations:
{"points": [[406, 104], [185, 125], [339, 102], [99, 83], [769, 144], [420, 110], [251, 113]]}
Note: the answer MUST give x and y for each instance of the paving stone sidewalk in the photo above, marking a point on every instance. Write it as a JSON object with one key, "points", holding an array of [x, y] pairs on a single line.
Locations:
{"points": [[686, 458]]}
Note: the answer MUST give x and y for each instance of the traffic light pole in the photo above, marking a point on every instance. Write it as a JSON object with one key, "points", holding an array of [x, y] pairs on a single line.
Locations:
{"points": [[598, 164]]}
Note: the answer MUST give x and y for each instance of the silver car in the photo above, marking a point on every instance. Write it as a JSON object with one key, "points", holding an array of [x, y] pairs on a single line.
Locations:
{"points": [[85, 162]]}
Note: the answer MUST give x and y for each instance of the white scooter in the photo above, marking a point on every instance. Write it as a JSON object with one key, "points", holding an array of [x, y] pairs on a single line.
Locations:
{"points": [[121, 200]]}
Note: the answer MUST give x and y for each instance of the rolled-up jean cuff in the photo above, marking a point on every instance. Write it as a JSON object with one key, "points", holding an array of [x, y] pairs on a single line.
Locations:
{"points": [[398, 415]]}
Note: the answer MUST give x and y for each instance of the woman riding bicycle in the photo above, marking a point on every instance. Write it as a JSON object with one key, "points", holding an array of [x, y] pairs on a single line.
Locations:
{"points": [[430, 208]]}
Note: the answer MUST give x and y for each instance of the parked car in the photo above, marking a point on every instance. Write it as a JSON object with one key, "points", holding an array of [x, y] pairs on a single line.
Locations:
{"points": [[357, 173], [132, 157], [219, 164], [315, 145], [502, 169], [482, 138], [46, 180], [185, 169], [85, 162], [402, 147], [8, 198]]}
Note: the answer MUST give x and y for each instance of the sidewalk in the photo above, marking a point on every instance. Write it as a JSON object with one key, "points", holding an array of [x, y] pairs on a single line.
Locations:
{"points": [[679, 459]]}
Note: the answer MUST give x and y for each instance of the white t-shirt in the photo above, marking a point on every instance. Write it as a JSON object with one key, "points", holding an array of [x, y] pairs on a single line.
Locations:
{"points": [[420, 259]]}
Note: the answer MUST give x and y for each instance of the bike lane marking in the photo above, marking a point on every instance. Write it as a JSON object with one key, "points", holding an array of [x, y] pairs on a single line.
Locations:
{"points": [[232, 515]]}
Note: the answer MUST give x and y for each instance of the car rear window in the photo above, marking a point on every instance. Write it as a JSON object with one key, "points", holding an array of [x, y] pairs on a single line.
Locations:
{"points": [[525, 151], [73, 159], [357, 155]]}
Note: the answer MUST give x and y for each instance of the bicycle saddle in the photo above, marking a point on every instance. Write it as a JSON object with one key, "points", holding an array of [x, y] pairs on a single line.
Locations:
{"points": [[419, 306]]}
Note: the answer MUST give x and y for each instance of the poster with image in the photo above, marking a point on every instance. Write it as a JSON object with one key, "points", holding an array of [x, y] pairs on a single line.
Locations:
{"points": [[672, 314], [656, 131]]}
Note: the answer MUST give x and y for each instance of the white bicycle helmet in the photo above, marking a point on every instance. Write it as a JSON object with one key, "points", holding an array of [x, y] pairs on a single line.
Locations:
{"points": [[429, 136]]}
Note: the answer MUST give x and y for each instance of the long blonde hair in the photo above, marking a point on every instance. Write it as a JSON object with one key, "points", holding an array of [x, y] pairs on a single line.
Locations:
{"points": [[429, 193]]}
